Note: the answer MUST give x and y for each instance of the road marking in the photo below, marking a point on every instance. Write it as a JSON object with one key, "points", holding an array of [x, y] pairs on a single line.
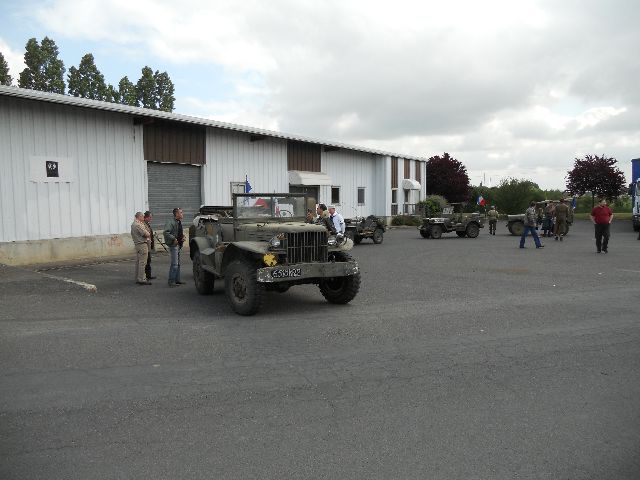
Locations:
{"points": [[87, 286], [632, 271]]}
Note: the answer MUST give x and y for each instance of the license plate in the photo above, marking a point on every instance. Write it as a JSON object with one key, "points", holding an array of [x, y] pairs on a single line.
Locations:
{"points": [[286, 273]]}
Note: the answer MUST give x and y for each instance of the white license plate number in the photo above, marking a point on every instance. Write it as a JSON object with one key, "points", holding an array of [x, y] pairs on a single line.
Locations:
{"points": [[286, 273]]}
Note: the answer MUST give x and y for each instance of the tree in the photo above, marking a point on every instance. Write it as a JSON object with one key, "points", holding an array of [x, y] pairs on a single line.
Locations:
{"points": [[598, 175], [44, 71], [112, 95], [146, 89], [164, 92], [513, 195], [448, 177], [86, 81], [5, 78], [127, 92]]}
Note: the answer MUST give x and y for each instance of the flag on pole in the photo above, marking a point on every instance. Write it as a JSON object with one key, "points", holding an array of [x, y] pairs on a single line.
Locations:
{"points": [[247, 185], [481, 201]]}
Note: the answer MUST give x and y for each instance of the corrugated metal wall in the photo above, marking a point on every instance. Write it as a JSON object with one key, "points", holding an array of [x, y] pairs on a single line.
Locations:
{"points": [[174, 142], [350, 170], [104, 152], [303, 156], [232, 155]]}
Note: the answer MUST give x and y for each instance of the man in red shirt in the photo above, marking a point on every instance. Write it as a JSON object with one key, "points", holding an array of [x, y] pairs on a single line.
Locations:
{"points": [[601, 216]]}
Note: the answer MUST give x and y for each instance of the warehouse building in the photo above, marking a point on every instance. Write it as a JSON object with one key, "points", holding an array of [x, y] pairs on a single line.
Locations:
{"points": [[74, 171]]}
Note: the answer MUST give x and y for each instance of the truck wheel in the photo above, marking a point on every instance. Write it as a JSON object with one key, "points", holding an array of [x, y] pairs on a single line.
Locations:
{"points": [[425, 233], [473, 230], [242, 288], [436, 231], [378, 236], [461, 234], [517, 228], [340, 290], [281, 287], [204, 280], [357, 239]]}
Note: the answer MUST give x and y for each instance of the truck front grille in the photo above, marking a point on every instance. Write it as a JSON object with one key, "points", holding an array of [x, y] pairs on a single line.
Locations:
{"points": [[307, 247]]}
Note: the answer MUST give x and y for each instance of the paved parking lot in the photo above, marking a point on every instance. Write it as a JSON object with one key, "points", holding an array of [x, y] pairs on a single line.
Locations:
{"points": [[459, 359]]}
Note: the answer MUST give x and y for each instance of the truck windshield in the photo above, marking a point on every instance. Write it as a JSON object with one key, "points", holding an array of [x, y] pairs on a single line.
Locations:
{"points": [[270, 206]]}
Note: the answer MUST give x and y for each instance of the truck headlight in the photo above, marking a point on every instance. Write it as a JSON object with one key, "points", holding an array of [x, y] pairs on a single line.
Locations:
{"points": [[332, 241], [276, 240]]}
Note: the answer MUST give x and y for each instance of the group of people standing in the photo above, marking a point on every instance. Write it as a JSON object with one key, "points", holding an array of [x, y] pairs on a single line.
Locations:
{"points": [[601, 216], [327, 216], [143, 239]]}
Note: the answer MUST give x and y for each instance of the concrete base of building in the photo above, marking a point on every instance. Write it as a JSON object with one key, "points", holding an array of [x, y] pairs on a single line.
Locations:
{"points": [[65, 249]]}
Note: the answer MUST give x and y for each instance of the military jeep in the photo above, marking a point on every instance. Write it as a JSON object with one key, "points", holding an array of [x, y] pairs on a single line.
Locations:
{"points": [[515, 223], [359, 228], [452, 220], [262, 243]]}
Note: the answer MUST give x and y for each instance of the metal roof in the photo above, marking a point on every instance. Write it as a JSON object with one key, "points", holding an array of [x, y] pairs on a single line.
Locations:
{"points": [[146, 112]]}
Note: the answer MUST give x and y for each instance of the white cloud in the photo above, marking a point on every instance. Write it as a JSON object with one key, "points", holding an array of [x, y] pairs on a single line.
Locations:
{"points": [[14, 59]]}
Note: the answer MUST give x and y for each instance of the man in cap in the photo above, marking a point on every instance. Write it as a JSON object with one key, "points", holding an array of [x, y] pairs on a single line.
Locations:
{"points": [[602, 216], [492, 215], [561, 214], [336, 218]]}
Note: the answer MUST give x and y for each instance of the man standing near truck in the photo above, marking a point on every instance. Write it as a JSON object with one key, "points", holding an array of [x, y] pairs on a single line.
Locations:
{"points": [[492, 215], [602, 216], [561, 215]]}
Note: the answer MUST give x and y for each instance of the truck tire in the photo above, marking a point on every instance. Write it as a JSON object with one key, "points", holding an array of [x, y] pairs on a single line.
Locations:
{"points": [[424, 233], [378, 236], [203, 280], [357, 239], [517, 228], [472, 230], [436, 231], [340, 290], [244, 292]]}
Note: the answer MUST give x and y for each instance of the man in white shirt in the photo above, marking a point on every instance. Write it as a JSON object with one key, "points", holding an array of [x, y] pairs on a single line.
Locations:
{"points": [[337, 219]]}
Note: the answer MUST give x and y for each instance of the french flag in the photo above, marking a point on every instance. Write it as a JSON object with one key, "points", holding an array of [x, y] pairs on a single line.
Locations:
{"points": [[481, 201]]}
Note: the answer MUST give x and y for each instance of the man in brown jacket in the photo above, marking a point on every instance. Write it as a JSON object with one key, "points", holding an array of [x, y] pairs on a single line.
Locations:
{"points": [[561, 214], [141, 239]]}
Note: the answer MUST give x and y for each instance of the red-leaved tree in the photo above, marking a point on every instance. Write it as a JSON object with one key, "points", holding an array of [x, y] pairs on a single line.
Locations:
{"points": [[598, 175], [448, 177]]}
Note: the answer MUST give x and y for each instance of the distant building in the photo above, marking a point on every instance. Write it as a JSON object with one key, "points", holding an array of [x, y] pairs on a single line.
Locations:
{"points": [[74, 171]]}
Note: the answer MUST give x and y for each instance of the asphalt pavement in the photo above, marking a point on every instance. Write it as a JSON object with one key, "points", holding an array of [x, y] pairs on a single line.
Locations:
{"points": [[459, 359]]}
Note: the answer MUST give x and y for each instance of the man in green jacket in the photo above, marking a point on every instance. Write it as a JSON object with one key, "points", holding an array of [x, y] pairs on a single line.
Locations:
{"points": [[174, 238]]}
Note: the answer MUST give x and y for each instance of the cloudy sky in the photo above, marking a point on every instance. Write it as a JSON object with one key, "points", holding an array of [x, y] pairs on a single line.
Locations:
{"points": [[509, 88]]}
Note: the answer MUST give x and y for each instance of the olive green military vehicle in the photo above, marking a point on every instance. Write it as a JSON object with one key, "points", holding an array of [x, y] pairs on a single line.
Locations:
{"points": [[515, 223], [262, 243], [359, 228], [452, 220]]}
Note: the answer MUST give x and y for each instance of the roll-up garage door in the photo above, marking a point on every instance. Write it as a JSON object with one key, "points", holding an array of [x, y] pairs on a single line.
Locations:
{"points": [[173, 185]]}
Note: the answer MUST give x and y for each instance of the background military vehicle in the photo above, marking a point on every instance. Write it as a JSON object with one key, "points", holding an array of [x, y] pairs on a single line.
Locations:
{"points": [[515, 223], [262, 243], [359, 228], [452, 220]]}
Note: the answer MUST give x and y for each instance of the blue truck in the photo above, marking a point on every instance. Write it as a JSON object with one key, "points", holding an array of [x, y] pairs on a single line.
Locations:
{"points": [[635, 192]]}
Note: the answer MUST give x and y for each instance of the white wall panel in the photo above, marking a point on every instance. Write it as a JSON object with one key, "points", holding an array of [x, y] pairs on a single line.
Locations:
{"points": [[350, 170], [105, 151], [231, 156]]}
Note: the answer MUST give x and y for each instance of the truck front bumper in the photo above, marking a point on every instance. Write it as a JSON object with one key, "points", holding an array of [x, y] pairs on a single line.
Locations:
{"points": [[306, 271]]}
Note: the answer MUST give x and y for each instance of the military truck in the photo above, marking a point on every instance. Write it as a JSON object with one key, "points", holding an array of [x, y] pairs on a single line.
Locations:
{"points": [[452, 220], [262, 243], [515, 223], [359, 228]]}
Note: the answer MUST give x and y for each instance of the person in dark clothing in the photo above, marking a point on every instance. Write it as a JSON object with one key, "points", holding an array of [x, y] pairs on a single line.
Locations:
{"points": [[602, 216], [147, 221], [174, 238]]}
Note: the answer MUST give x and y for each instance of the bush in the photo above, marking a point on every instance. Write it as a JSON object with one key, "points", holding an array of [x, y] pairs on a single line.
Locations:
{"points": [[410, 220], [432, 205]]}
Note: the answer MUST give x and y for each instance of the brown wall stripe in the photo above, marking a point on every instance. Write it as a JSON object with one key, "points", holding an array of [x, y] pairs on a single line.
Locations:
{"points": [[171, 142], [303, 156]]}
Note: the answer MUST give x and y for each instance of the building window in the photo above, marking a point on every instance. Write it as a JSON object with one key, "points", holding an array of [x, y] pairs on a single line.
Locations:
{"points": [[394, 196], [406, 196], [335, 195], [360, 195]]}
